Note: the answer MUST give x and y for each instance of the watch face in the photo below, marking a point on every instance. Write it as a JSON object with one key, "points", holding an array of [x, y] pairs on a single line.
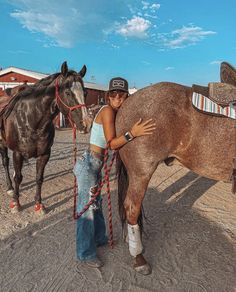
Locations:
{"points": [[128, 137]]}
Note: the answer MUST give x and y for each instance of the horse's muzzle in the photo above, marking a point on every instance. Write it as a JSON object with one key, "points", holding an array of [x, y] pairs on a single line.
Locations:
{"points": [[87, 123]]}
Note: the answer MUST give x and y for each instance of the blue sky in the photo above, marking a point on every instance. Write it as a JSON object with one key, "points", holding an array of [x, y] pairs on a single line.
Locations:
{"points": [[144, 41]]}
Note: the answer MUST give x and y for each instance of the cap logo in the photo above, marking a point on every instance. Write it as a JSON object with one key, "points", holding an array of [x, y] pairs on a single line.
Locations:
{"points": [[118, 83]]}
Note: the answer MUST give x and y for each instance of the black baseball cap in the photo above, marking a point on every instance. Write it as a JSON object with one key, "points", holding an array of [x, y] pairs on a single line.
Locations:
{"points": [[118, 83]]}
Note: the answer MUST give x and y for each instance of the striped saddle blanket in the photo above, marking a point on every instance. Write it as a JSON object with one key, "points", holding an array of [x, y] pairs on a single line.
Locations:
{"points": [[204, 104]]}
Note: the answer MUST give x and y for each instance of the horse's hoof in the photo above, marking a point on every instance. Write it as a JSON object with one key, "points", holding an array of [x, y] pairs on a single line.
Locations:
{"points": [[15, 207], [141, 266], [40, 209], [144, 270], [10, 193]]}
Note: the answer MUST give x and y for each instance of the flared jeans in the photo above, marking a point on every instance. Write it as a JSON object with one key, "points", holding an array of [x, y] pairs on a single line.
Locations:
{"points": [[90, 227]]}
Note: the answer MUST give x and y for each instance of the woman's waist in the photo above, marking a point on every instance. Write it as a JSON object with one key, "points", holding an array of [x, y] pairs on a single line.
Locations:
{"points": [[96, 151]]}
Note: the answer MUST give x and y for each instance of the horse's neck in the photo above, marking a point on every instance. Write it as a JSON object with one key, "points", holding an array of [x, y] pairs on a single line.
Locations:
{"points": [[48, 105], [40, 107], [3, 101], [49, 102]]}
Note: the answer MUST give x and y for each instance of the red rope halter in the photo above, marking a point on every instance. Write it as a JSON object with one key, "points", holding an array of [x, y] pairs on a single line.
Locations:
{"points": [[70, 108]]}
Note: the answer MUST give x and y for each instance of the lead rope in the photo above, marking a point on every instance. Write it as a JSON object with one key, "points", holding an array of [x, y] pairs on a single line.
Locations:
{"points": [[108, 191], [75, 182], [233, 176], [106, 180], [73, 126], [106, 169]]}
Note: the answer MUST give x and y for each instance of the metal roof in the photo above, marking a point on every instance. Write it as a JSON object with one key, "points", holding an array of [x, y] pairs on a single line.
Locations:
{"points": [[92, 85], [38, 75], [29, 73]]}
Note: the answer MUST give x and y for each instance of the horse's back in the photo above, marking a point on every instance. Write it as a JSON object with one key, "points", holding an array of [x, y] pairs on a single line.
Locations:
{"points": [[155, 100]]}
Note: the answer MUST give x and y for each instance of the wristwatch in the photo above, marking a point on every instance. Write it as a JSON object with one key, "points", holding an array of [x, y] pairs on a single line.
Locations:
{"points": [[128, 136]]}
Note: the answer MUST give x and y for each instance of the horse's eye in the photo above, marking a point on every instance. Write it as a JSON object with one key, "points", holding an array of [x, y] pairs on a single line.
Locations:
{"points": [[67, 93]]}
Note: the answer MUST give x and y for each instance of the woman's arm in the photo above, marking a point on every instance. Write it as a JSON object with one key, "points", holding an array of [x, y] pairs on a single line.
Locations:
{"points": [[108, 121], [139, 129]]}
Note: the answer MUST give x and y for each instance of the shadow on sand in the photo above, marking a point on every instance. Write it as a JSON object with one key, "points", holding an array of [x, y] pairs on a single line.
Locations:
{"points": [[187, 251]]}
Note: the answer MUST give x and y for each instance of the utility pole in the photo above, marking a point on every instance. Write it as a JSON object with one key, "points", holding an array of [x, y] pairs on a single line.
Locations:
{"points": [[93, 78]]}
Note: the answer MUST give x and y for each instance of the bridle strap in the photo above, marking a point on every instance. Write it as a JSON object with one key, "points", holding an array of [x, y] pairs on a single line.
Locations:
{"points": [[70, 108]]}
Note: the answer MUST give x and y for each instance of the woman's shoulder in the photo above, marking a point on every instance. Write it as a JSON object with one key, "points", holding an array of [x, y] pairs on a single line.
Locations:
{"points": [[106, 110], [107, 107]]}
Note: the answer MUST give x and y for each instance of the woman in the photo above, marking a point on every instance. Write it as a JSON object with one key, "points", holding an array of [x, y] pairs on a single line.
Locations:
{"points": [[91, 229]]}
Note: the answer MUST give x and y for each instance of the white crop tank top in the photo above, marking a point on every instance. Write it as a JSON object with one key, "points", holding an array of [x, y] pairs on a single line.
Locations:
{"points": [[97, 136]]}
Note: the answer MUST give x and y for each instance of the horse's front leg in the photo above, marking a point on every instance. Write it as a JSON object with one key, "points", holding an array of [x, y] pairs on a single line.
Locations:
{"points": [[40, 166], [133, 202], [5, 162], [17, 163]]}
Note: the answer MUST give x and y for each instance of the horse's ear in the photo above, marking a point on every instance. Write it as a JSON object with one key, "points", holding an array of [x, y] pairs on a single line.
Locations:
{"points": [[82, 72], [64, 69]]}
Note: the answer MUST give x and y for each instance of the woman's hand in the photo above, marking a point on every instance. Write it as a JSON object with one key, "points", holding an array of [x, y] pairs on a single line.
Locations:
{"points": [[143, 128]]}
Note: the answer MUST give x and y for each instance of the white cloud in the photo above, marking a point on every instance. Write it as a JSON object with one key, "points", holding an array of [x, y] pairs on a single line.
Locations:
{"points": [[169, 68], [184, 37], [115, 46], [145, 63], [49, 24], [216, 62], [17, 52], [64, 23], [149, 15], [145, 5], [135, 27], [152, 8], [144, 9], [155, 7]]}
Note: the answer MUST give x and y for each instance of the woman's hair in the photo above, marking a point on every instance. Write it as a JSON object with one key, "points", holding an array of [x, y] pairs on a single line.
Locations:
{"points": [[107, 100]]}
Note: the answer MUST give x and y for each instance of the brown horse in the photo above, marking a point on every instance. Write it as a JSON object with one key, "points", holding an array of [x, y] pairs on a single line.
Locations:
{"points": [[201, 142], [27, 127]]}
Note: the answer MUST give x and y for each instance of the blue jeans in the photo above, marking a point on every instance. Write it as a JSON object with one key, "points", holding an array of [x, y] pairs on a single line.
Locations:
{"points": [[90, 227]]}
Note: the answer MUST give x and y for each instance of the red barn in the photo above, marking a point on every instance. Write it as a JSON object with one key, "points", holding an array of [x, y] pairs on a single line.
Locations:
{"points": [[12, 77]]}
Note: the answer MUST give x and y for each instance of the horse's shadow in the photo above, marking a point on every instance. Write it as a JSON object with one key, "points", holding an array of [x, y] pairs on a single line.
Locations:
{"points": [[50, 177], [199, 185], [55, 205], [31, 184], [188, 250]]}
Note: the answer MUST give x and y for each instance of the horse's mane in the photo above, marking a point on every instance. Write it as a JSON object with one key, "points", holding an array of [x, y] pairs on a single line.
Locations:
{"points": [[34, 91]]}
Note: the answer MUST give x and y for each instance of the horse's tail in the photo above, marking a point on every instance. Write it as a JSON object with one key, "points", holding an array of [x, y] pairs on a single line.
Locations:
{"points": [[123, 183]]}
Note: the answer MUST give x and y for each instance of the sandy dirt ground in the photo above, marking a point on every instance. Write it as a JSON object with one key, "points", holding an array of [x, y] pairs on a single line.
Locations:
{"points": [[190, 234]]}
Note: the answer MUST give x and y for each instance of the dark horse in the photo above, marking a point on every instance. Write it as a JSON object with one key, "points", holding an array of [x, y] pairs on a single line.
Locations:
{"points": [[27, 125], [201, 142]]}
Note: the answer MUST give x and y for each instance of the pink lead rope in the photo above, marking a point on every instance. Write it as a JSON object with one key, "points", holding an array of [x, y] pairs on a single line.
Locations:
{"points": [[107, 170]]}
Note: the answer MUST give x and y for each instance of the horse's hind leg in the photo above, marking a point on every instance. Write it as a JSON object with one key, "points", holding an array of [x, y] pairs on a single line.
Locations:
{"points": [[18, 163], [5, 162], [40, 166]]}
